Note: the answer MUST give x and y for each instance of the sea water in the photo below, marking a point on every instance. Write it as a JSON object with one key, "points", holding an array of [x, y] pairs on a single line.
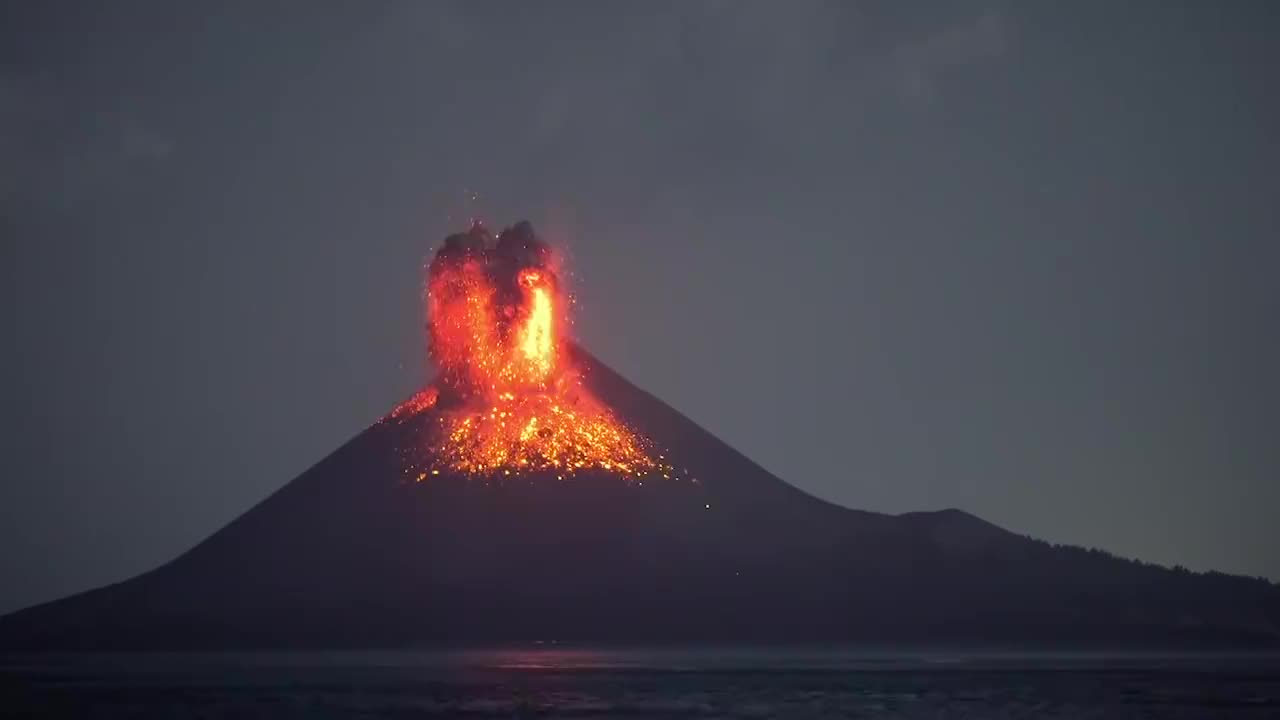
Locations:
{"points": [[550, 681]]}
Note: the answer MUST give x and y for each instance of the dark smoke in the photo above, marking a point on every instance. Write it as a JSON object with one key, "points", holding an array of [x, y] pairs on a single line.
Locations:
{"points": [[516, 248], [502, 259]]}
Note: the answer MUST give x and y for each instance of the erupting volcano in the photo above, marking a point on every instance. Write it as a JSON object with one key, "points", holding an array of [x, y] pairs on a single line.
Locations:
{"points": [[508, 397], [508, 502]]}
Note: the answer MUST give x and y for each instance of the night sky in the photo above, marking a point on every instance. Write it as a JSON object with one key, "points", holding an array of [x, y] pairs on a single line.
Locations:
{"points": [[1016, 258]]}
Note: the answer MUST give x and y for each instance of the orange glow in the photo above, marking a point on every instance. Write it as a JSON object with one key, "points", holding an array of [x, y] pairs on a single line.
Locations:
{"points": [[535, 433], [537, 337], [507, 399], [420, 402]]}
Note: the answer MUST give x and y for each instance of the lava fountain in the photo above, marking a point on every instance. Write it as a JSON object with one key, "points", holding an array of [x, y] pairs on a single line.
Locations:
{"points": [[507, 398]]}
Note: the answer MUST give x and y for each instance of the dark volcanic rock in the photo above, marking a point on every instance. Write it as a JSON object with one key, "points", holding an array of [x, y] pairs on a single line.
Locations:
{"points": [[350, 555]]}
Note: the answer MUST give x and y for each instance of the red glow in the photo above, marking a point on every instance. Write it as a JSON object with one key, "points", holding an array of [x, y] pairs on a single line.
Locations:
{"points": [[419, 402], [509, 400]]}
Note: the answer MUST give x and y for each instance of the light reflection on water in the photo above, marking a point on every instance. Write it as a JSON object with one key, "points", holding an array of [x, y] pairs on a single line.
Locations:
{"points": [[556, 681]]}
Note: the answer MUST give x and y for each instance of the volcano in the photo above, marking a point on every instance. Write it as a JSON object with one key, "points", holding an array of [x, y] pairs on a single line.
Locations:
{"points": [[533, 494]]}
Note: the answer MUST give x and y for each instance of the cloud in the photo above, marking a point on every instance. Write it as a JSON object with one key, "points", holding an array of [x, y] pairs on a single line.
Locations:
{"points": [[59, 150], [143, 143], [714, 67], [920, 66], [19, 117]]}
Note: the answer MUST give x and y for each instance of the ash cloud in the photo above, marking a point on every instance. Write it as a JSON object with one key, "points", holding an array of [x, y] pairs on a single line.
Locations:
{"points": [[515, 249], [500, 261]]}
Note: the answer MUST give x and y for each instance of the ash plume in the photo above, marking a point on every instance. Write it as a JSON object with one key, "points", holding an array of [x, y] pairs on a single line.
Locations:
{"points": [[509, 398], [516, 248], [498, 264]]}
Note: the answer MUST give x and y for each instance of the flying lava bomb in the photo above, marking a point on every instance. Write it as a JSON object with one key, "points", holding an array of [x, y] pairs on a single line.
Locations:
{"points": [[507, 398]]}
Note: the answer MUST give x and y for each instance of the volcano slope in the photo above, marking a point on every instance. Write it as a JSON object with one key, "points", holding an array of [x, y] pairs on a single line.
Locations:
{"points": [[349, 554]]}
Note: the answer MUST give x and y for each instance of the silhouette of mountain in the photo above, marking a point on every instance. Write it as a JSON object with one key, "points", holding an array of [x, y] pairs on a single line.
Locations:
{"points": [[351, 555]]}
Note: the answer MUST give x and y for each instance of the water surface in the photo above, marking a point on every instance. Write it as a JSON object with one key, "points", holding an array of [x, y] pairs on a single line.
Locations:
{"points": [[553, 682]]}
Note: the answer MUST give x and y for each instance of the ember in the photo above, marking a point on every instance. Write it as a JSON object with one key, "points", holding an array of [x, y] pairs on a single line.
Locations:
{"points": [[507, 398]]}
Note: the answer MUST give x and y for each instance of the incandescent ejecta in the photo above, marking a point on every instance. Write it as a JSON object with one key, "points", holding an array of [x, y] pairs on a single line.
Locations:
{"points": [[509, 399]]}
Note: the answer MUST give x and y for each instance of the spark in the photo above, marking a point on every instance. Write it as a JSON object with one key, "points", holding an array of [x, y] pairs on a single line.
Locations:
{"points": [[508, 400], [419, 402]]}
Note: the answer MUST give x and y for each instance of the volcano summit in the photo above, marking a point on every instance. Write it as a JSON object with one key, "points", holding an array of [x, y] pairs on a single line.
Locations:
{"points": [[508, 399], [530, 493]]}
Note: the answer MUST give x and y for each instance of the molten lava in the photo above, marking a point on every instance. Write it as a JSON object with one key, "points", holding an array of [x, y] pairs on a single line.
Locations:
{"points": [[507, 399]]}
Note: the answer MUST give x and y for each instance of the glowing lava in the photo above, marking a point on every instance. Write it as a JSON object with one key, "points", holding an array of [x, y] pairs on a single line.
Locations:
{"points": [[537, 337], [507, 400]]}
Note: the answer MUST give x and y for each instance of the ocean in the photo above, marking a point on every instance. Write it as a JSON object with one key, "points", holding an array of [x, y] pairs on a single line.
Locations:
{"points": [[553, 682]]}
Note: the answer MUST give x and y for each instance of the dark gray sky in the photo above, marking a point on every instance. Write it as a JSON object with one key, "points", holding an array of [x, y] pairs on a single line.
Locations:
{"points": [[1017, 258]]}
